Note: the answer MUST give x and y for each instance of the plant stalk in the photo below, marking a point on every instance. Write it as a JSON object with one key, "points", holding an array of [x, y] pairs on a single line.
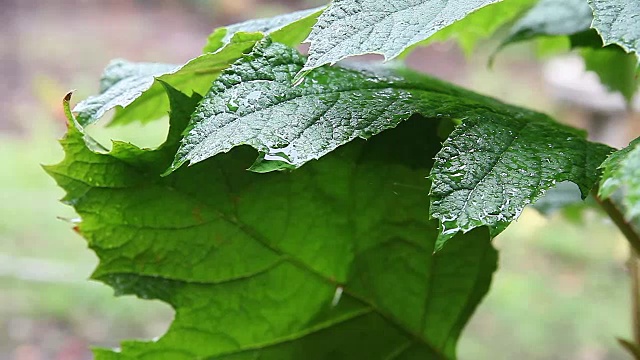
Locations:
{"points": [[634, 269]]}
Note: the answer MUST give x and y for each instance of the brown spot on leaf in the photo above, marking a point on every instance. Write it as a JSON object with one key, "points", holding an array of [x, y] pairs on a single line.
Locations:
{"points": [[197, 214]]}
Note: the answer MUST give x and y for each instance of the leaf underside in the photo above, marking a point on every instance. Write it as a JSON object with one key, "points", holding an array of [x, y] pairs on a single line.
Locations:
{"points": [[285, 264]]}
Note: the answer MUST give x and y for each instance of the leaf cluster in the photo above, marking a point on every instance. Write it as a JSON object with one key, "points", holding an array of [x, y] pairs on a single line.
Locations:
{"points": [[298, 209]]}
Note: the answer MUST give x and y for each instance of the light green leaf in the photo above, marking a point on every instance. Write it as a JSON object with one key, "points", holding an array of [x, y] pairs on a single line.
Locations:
{"points": [[386, 27], [285, 265], [132, 89], [621, 176], [481, 24], [501, 159], [552, 18], [616, 69], [617, 22], [289, 29]]}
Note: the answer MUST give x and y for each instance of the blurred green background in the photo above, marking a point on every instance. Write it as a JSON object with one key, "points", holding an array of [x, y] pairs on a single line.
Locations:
{"points": [[562, 291]]}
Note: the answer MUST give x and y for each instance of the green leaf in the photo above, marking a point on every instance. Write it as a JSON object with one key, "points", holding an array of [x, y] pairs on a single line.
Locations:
{"points": [[563, 195], [254, 103], [493, 165], [621, 176], [132, 89], [501, 159], [617, 22], [284, 265], [615, 68], [551, 18], [481, 24], [386, 27], [573, 18], [289, 29]]}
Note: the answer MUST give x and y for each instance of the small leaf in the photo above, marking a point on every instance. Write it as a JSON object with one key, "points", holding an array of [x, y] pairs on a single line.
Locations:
{"points": [[387, 27], [615, 68], [131, 87], [289, 29], [551, 18], [621, 175], [284, 265], [563, 195], [617, 23], [480, 24]]}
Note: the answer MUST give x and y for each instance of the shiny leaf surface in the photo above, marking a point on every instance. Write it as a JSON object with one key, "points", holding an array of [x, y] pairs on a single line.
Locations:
{"points": [[386, 27]]}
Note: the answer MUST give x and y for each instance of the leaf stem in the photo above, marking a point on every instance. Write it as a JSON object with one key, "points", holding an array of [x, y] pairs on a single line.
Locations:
{"points": [[634, 270], [635, 294], [618, 218]]}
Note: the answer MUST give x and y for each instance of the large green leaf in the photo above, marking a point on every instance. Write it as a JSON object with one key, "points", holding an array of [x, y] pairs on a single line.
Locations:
{"points": [[501, 159], [387, 27], [333, 260], [617, 22], [622, 176]]}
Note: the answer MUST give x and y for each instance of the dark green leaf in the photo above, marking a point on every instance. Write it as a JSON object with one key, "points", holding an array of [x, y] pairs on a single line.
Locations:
{"points": [[285, 265], [617, 22], [387, 27], [621, 176], [493, 165]]}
